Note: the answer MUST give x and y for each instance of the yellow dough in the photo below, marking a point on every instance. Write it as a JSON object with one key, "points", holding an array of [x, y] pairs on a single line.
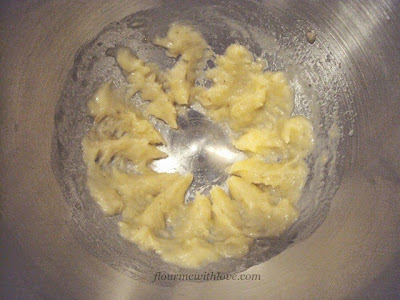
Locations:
{"points": [[263, 189]]}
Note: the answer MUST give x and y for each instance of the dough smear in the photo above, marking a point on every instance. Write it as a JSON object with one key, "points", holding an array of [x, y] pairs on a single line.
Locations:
{"points": [[263, 189]]}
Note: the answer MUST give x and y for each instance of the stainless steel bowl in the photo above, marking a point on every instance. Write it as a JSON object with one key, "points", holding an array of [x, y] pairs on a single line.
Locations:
{"points": [[57, 243]]}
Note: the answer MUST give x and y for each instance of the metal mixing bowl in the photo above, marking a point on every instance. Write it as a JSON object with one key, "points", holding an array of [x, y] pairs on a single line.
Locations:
{"points": [[58, 244]]}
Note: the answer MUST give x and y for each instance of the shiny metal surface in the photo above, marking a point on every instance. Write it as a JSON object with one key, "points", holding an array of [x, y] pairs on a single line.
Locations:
{"points": [[199, 147], [350, 71]]}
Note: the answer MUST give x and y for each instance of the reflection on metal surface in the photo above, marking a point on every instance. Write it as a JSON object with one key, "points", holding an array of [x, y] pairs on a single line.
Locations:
{"points": [[200, 147]]}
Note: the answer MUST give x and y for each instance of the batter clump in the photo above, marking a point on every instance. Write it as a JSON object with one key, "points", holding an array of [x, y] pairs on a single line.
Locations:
{"points": [[263, 188]]}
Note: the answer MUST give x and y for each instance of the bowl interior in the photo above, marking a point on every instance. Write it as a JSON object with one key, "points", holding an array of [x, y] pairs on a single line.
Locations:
{"points": [[275, 33]]}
